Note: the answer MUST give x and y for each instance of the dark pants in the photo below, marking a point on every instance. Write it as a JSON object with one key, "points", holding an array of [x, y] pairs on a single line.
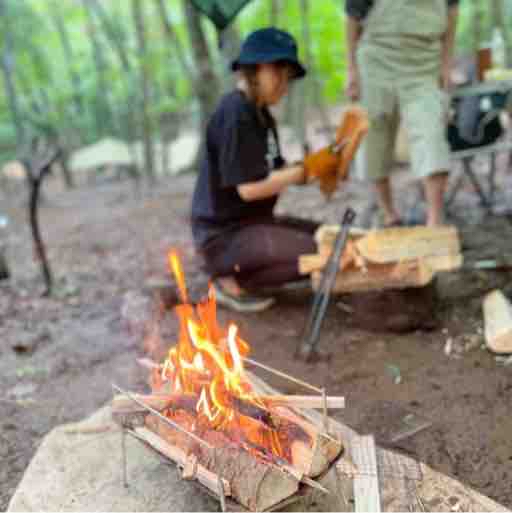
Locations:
{"points": [[261, 254]]}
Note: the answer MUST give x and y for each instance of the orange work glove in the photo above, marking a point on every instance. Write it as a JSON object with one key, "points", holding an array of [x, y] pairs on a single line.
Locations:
{"points": [[332, 163], [322, 163]]}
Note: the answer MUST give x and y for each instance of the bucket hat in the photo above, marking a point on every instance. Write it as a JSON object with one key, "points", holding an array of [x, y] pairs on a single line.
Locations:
{"points": [[269, 45]]}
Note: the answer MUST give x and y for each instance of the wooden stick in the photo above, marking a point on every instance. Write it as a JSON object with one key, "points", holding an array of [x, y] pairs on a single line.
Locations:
{"points": [[303, 401], [150, 364], [281, 374]]}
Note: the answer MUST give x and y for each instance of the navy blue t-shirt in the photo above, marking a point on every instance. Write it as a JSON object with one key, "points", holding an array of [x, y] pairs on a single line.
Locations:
{"points": [[241, 146]]}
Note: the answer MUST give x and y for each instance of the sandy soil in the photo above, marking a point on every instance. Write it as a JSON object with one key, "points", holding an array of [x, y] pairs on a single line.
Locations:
{"points": [[59, 356]]}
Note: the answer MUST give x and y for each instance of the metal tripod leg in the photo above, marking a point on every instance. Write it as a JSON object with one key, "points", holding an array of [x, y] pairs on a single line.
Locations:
{"points": [[123, 458], [467, 168], [455, 189], [492, 179]]}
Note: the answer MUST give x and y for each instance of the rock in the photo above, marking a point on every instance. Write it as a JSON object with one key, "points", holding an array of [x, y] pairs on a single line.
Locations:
{"points": [[82, 472]]}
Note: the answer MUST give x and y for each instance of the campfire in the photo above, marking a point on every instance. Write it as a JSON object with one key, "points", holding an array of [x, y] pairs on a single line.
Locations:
{"points": [[207, 415]]}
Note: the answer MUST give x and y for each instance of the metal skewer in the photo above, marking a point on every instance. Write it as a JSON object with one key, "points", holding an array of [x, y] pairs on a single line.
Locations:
{"points": [[162, 417]]}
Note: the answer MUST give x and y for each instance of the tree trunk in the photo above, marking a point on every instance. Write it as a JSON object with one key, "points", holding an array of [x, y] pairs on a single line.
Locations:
{"points": [[102, 107], [36, 174], [274, 12], [113, 35], [230, 43], [8, 65], [500, 21], [140, 29], [477, 20], [67, 175], [313, 87], [116, 37], [175, 43], [65, 42], [207, 83]]}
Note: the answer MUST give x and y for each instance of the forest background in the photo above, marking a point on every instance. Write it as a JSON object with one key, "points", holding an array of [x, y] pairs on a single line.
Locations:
{"points": [[77, 71]]}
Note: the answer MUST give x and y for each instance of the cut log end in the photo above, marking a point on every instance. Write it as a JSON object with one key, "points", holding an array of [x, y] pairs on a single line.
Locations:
{"points": [[498, 322]]}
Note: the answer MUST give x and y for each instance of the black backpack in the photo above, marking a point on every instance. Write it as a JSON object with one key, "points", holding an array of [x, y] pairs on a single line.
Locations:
{"points": [[475, 121]]}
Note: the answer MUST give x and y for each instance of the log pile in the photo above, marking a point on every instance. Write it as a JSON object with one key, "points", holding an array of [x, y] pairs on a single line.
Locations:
{"points": [[391, 258], [255, 479]]}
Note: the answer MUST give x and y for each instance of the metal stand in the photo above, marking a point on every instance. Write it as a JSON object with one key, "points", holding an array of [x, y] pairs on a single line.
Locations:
{"points": [[321, 299], [123, 458], [485, 201]]}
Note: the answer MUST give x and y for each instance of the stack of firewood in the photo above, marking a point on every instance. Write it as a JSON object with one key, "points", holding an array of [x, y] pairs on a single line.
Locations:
{"points": [[391, 258]]}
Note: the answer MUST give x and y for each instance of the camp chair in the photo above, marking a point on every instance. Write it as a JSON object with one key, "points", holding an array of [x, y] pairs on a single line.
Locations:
{"points": [[476, 129]]}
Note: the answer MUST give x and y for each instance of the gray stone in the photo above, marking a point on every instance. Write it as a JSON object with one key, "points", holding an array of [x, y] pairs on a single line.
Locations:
{"points": [[78, 468]]}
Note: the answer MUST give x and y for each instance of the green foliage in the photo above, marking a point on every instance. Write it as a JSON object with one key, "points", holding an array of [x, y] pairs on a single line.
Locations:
{"points": [[327, 33], [43, 77]]}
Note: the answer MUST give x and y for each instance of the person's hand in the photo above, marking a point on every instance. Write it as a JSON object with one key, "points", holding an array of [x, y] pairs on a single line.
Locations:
{"points": [[301, 177], [353, 87]]}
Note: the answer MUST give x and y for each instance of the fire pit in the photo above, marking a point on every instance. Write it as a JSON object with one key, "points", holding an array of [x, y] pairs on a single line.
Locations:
{"points": [[205, 414]]}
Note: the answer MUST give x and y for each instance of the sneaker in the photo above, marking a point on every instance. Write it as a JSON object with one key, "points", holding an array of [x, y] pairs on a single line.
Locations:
{"points": [[243, 303]]}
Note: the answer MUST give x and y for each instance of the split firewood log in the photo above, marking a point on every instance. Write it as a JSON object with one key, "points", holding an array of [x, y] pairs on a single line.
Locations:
{"points": [[498, 322], [397, 244], [414, 273], [254, 483], [308, 449]]}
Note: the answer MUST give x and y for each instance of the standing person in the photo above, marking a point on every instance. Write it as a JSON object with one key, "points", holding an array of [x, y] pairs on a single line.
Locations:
{"points": [[400, 54], [245, 247]]}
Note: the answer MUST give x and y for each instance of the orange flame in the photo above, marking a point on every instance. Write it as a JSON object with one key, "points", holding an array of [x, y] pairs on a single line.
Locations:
{"points": [[207, 362], [177, 270]]}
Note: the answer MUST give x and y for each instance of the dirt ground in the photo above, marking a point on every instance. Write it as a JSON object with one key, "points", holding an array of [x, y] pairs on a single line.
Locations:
{"points": [[60, 355]]}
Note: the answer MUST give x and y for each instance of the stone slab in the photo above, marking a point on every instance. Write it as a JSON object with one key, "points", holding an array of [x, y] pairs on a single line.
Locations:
{"points": [[78, 468]]}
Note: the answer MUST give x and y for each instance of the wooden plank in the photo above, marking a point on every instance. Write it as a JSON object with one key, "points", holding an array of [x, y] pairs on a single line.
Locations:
{"points": [[498, 322], [366, 481]]}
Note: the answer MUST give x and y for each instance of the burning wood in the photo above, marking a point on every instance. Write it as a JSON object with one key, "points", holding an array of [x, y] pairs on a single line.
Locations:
{"points": [[206, 414]]}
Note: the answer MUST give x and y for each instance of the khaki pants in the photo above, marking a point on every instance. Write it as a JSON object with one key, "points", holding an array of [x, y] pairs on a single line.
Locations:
{"points": [[421, 107]]}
